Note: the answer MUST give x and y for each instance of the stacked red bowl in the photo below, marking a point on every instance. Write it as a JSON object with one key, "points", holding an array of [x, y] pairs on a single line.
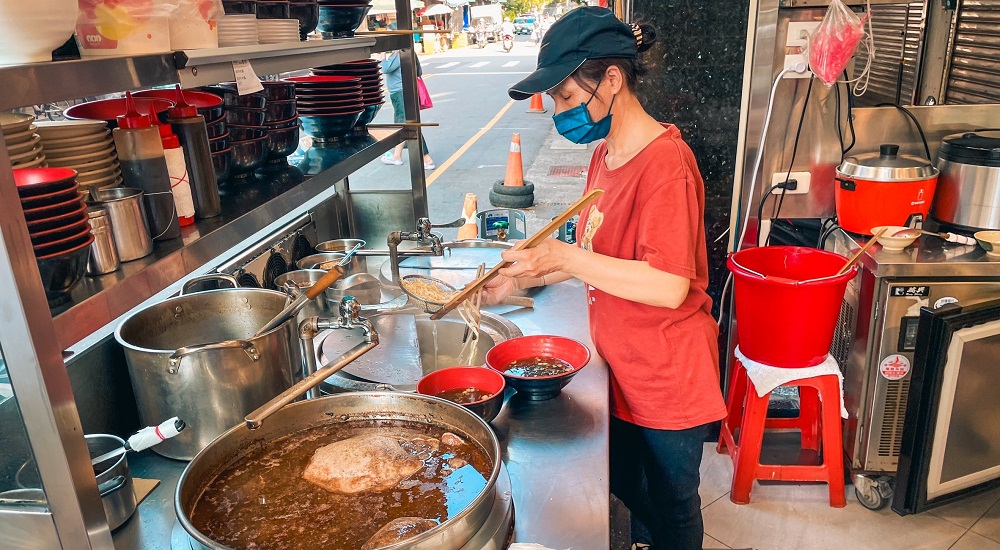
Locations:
{"points": [[370, 73], [328, 106], [58, 225]]}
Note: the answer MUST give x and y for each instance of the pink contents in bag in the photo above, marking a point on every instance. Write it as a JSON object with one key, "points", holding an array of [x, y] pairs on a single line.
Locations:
{"points": [[832, 45]]}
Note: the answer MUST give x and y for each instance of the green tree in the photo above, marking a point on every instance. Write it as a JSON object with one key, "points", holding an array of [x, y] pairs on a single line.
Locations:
{"points": [[513, 8]]}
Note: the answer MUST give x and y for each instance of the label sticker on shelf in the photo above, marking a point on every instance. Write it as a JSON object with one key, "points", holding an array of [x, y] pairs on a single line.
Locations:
{"points": [[246, 80], [894, 367]]}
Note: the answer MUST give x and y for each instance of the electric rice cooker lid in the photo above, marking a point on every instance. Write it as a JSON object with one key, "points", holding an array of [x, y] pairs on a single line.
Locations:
{"points": [[978, 148], [887, 165]]}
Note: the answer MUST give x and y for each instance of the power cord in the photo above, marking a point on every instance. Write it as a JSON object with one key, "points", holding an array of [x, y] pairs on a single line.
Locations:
{"points": [[795, 148], [913, 119]]}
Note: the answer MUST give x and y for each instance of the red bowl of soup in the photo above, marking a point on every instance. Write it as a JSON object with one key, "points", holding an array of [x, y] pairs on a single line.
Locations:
{"points": [[538, 366], [478, 389]]}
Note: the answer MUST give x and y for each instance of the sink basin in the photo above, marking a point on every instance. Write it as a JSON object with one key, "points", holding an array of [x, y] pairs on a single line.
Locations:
{"points": [[410, 346]]}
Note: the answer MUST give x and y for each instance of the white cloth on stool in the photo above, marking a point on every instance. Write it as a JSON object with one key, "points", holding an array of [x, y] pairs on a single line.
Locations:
{"points": [[766, 378]]}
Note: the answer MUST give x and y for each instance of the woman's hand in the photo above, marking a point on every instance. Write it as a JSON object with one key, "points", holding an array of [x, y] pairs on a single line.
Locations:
{"points": [[549, 256], [498, 288]]}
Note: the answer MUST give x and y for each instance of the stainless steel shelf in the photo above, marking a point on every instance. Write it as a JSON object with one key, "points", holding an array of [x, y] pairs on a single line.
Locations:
{"points": [[247, 209], [38, 83]]}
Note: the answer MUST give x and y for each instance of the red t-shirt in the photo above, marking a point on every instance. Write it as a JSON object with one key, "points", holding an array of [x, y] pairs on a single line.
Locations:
{"points": [[664, 362]]}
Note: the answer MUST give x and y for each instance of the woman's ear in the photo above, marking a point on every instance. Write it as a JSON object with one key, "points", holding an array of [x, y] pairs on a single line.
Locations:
{"points": [[615, 78]]}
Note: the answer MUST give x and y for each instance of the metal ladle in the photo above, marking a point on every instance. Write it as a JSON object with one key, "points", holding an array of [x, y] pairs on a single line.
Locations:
{"points": [[315, 290]]}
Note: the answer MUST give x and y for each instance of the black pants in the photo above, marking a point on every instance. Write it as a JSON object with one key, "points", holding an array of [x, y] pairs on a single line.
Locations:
{"points": [[656, 474]]}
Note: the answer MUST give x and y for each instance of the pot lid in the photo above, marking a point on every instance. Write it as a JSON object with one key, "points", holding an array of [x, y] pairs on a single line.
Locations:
{"points": [[980, 148], [887, 165]]}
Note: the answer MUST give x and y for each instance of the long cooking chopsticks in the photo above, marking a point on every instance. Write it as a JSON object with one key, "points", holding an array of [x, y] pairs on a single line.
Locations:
{"points": [[472, 288]]}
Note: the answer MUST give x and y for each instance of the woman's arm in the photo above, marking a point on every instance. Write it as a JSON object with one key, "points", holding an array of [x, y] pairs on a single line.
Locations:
{"points": [[633, 280]]}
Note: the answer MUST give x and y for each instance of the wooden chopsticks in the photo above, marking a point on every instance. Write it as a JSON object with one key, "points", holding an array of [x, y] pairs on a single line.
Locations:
{"points": [[530, 242]]}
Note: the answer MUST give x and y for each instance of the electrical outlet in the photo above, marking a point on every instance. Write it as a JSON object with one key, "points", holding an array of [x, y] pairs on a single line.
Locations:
{"points": [[801, 182], [799, 33]]}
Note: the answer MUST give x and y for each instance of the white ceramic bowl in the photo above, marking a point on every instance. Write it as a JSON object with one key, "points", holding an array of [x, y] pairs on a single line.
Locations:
{"points": [[64, 131], [31, 29], [97, 173], [15, 123], [990, 241], [32, 164], [26, 156], [890, 243], [108, 162], [74, 160], [19, 148], [20, 137], [106, 144]]}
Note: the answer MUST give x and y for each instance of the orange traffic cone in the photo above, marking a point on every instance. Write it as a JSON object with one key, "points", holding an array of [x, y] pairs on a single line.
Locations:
{"points": [[515, 171], [536, 104], [471, 228]]}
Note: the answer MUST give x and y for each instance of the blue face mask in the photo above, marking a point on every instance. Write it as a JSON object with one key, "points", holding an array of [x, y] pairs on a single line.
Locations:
{"points": [[575, 124]]}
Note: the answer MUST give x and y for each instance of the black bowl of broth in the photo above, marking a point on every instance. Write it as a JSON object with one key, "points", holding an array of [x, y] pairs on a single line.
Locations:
{"points": [[538, 367], [478, 389]]}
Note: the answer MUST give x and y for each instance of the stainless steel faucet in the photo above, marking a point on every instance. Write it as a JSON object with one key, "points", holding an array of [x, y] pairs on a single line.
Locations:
{"points": [[350, 317], [423, 235]]}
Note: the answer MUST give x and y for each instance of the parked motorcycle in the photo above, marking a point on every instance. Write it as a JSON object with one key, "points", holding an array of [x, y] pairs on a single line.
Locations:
{"points": [[508, 42]]}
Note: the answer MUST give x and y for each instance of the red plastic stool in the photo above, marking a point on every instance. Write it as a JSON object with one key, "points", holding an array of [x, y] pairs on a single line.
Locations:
{"points": [[819, 421]]}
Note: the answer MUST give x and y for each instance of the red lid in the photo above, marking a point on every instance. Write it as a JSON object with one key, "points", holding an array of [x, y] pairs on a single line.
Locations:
{"points": [[168, 137], [181, 108], [132, 117]]}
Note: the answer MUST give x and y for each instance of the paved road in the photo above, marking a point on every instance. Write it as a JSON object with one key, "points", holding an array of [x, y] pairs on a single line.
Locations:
{"points": [[476, 117]]}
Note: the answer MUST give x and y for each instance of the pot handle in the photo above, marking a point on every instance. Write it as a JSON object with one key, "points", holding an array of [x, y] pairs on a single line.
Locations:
{"points": [[210, 277], [111, 485], [174, 361]]}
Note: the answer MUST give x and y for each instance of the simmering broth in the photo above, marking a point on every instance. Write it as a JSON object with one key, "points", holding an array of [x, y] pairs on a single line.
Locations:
{"points": [[262, 502]]}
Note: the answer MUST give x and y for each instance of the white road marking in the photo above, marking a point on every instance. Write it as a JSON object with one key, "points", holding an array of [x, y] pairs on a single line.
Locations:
{"points": [[510, 63], [479, 64], [483, 73], [448, 65]]}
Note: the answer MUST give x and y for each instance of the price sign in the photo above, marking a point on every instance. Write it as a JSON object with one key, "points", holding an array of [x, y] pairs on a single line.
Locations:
{"points": [[246, 80]]}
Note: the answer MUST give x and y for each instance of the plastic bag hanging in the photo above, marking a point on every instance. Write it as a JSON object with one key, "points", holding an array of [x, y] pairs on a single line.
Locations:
{"points": [[834, 42]]}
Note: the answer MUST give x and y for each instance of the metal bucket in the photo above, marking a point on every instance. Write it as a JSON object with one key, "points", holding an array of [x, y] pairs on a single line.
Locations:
{"points": [[113, 479], [195, 357], [452, 534]]}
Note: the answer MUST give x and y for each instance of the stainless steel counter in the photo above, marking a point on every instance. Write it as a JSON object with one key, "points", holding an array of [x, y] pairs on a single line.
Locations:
{"points": [[556, 451]]}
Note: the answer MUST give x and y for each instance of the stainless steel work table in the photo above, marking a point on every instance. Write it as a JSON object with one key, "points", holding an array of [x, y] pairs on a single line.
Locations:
{"points": [[556, 451]]}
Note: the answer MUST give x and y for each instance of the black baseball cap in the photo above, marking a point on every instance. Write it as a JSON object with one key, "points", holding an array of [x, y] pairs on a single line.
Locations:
{"points": [[583, 33]]}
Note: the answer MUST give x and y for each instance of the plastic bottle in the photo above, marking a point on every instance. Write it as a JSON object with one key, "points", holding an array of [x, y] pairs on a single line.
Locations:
{"points": [[180, 187], [193, 135], [140, 153]]}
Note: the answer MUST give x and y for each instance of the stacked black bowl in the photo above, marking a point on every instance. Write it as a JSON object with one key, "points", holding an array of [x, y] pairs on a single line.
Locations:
{"points": [[339, 18], [369, 71], [307, 12], [328, 106], [247, 135], [281, 121]]}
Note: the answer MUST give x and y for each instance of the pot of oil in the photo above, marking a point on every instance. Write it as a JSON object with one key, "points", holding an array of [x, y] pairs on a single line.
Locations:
{"points": [[247, 490]]}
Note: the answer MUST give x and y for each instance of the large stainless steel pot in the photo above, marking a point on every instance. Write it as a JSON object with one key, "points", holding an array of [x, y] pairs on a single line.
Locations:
{"points": [[452, 534], [195, 357], [968, 194]]}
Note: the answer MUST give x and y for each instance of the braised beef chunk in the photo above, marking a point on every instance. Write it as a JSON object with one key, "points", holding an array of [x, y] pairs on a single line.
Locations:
{"points": [[451, 439], [361, 464], [398, 530]]}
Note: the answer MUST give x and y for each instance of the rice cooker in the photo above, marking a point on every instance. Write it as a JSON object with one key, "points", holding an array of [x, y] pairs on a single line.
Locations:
{"points": [[968, 196], [883, 188]]}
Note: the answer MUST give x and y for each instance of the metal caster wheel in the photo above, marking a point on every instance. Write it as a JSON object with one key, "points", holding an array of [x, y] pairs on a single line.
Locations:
{"points": [[873, 494]]}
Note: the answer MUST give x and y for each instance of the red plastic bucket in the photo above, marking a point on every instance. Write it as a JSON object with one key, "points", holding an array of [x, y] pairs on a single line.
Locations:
{"points": [[787, 301]]}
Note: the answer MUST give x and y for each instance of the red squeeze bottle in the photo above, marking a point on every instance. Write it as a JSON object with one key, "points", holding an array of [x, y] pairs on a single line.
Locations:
{"points": [[177, 168]]}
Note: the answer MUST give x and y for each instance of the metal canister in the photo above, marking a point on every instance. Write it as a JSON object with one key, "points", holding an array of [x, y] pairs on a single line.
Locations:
{"points": [[103, 252], [128, 225]]}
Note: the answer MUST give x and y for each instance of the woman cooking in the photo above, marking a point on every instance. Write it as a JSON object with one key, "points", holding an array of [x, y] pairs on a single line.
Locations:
{"points": [[642, 256]]}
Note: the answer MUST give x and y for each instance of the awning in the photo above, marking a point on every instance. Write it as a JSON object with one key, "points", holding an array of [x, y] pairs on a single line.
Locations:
{"points": [[387, 6], [437, 9], [457, 3]]}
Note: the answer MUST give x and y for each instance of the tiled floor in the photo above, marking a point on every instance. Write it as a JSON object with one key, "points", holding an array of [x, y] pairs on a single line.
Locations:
{"points": [[787, 516]]}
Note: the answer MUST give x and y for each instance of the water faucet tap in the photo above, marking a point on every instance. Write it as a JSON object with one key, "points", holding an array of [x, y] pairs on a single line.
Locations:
{"points": [[423, 234]]}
